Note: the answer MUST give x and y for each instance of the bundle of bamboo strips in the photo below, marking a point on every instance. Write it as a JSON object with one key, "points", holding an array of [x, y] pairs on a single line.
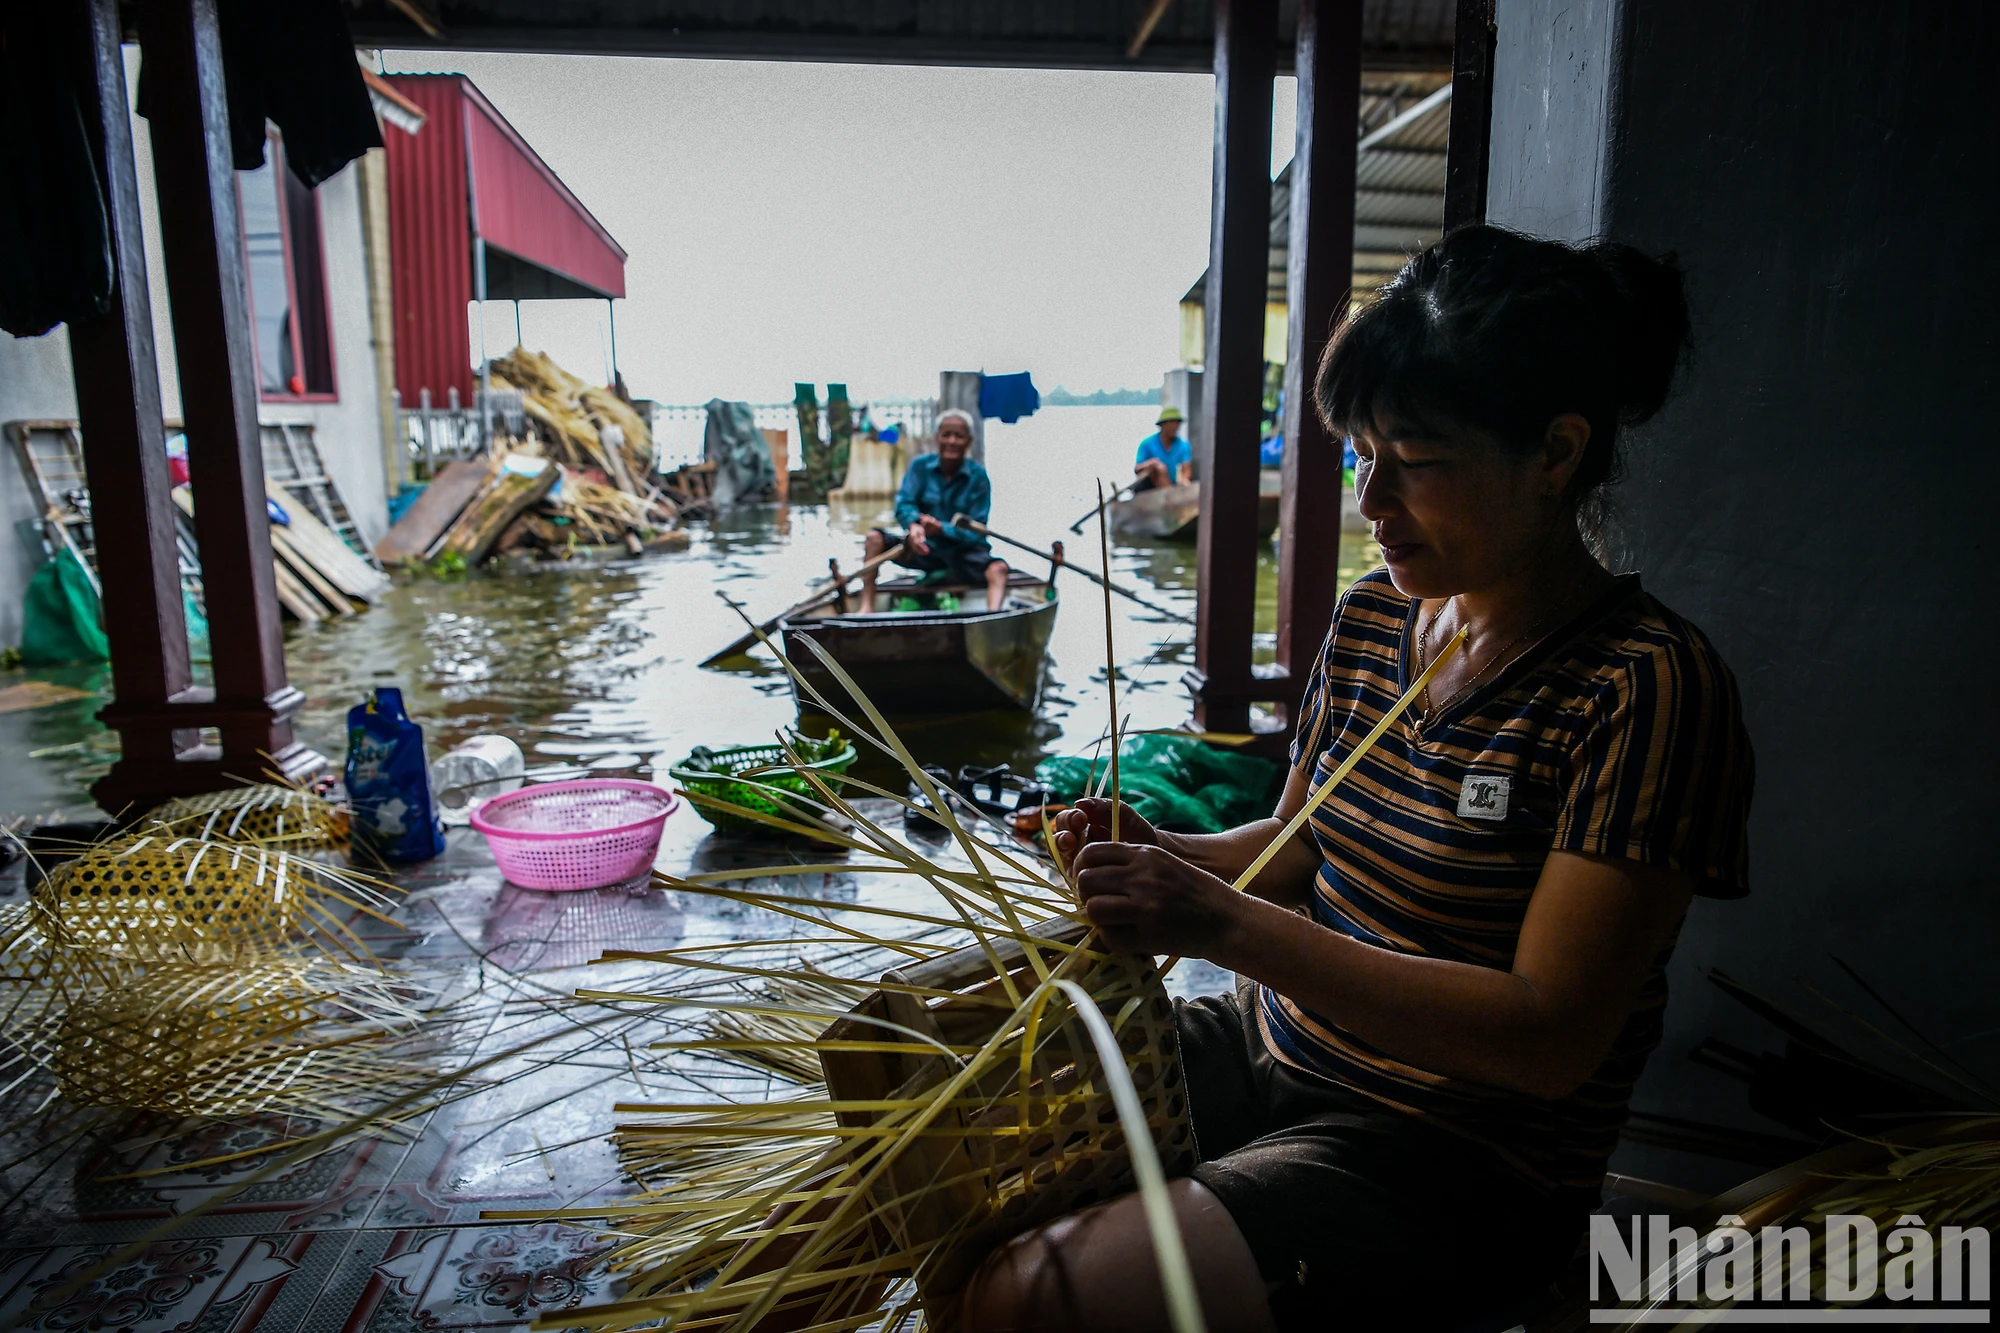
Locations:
{"points": [[1939, 1176], [594, 491]]}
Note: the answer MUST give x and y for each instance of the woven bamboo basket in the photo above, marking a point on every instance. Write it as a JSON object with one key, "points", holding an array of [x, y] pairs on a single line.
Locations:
{"points": [[264, 814], [191, 1039], [282, 1034], [209, 978], [1019, 1151], [966, 1100], [162, 898]]}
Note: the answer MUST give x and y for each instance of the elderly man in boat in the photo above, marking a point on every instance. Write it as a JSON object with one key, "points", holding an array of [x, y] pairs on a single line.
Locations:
{"points": [[937, 488], [1164, 457]]}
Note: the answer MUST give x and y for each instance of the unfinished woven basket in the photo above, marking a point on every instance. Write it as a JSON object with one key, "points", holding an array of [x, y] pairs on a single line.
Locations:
{"points": [[1024, 1153], [930, 1149]]}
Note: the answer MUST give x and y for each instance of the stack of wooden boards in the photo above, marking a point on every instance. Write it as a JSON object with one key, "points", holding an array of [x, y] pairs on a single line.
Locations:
{"points": [[579, 475], [319, 576], [475, 508]]}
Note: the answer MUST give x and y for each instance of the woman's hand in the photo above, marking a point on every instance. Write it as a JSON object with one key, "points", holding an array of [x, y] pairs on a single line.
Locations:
{"points": [[1089, 820], [1144, 899]]}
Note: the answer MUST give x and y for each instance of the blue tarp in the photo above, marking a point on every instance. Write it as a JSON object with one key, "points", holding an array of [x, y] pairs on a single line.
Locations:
{"points": [[399, 504], [1008, 397]]}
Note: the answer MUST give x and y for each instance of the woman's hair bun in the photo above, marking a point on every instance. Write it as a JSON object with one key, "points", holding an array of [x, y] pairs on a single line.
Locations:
{"points": [[1648, 317]]}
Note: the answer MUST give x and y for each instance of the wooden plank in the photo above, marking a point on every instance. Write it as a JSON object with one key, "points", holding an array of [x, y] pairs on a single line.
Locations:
{"points": [[38, 694], [1471, 133], [480, 526], [304, 571], [293, 596], [454, 487], [334, 559]]}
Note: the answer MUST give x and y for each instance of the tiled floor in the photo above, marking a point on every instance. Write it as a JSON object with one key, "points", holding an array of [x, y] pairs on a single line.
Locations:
{"points": [[384, 1234]]}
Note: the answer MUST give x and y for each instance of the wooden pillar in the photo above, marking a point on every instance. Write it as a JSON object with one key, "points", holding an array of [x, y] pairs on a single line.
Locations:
{"points": [[124, 454], [1317, 290], [1471, 114], [1246, 57], [252, 704]]}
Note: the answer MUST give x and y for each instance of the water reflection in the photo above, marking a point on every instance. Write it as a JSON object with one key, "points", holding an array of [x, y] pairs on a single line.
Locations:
{"points": [[597, 662]]}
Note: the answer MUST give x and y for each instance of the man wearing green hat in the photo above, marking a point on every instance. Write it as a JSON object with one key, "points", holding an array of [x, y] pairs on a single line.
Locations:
{"points": [[1164, 457]]}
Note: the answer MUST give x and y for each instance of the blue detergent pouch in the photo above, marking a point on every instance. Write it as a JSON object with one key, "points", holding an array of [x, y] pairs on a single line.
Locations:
{"points": [[388, 782]]}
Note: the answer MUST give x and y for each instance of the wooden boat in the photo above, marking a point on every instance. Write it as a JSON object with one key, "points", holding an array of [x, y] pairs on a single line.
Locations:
{"points": [[932, 661], [1173, 513]]}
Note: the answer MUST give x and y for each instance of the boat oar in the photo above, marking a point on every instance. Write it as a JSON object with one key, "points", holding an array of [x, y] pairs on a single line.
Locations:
{"points": [[1121, 493], [745, 641], [974, 525]]}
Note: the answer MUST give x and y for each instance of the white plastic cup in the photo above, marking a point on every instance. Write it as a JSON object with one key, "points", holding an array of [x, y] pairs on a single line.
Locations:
{"points": [[477, 771]]}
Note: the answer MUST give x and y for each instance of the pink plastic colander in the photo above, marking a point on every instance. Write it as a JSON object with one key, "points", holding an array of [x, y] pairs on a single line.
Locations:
{"points": [[576, 835]]}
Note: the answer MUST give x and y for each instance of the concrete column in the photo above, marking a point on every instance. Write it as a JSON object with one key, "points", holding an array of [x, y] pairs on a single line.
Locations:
{"points": [[1818, 497]]}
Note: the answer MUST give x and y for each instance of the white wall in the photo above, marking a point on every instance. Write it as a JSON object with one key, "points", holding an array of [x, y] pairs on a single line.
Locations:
{"points": [[348, 431]]}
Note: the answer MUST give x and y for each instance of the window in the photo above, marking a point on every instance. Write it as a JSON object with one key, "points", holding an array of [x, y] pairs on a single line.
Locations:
{"points": [[281, 249]]}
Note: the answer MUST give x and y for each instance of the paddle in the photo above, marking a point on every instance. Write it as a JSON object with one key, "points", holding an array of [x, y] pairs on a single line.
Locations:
{"points": [[974, 525], [1117, 495], [743, 642]]}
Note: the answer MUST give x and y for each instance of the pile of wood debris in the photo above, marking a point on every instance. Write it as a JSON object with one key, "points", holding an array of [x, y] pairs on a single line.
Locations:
{"points": [[577, 477]]}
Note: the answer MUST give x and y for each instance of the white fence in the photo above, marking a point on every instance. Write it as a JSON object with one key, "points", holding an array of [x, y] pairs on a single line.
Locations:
{"points": [[433, 435], [678, 428]]}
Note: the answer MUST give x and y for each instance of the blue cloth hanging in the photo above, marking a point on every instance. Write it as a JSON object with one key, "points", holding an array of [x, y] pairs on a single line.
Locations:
{"points": [[1008, 397]]}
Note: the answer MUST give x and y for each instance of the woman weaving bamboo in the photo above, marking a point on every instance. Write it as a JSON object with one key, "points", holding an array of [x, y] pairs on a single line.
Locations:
{"points": [[1403, 1113]]}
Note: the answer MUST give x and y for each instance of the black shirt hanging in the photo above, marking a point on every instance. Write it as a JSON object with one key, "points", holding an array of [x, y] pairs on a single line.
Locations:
{"points": [[292, 62]]}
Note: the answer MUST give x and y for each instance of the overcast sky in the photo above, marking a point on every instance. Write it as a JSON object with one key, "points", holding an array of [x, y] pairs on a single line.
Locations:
{"points": [[868, 224]]}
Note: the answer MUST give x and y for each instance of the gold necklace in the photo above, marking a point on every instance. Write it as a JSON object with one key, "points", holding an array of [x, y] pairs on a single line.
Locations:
{"points": [[1430, 714]]}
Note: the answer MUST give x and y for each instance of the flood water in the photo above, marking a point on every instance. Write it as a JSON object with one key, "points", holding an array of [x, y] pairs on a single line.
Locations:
{"points": [[593, 665]]}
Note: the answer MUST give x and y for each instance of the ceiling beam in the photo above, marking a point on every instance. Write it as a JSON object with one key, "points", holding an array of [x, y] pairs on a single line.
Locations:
{"points": [[1162, 53]]}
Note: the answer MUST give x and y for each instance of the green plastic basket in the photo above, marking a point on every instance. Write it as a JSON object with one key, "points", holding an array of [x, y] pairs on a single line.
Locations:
{"points": [[719, 782]]}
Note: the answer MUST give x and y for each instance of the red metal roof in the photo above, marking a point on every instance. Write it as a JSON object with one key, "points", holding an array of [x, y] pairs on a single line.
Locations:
{"points": [[520, 205], [469, 175]]}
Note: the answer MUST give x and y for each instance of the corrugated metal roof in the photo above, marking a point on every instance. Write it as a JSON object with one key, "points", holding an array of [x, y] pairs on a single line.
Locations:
{"points": [[520, 205], [1043, 34]]}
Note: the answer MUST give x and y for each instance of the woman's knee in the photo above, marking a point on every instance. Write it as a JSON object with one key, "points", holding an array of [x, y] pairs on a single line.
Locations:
{"points": [[872, 544], [1096, 1270]]}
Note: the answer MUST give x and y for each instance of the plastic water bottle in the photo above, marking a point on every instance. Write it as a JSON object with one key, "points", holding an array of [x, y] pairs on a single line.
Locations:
{"points": [[478, 770]]}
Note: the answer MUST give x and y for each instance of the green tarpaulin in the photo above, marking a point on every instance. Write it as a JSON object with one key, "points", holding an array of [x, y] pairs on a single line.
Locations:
{"points": [[1175, 782], [59, 619]]}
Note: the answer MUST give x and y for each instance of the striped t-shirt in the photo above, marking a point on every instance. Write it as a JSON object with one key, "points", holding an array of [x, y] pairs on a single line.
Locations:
{"points": [[1618, 735]]}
